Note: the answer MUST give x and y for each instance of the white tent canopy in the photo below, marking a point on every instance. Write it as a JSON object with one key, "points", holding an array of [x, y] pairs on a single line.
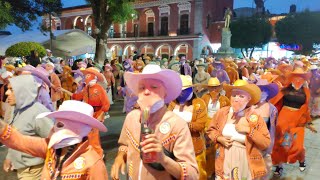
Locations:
{"points": [[66, 42]]}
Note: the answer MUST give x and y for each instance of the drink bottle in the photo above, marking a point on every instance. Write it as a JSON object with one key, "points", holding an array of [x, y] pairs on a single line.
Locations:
{"points": [[150, 157]]}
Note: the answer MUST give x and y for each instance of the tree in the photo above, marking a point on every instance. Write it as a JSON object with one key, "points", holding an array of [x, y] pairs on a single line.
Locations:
{"points": [[248, 33], [5, 16], [24, 49], [106, 12], [300, 29], [23, 13]]}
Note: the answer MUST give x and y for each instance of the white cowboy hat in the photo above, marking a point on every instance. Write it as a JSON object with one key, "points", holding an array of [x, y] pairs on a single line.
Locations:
{"points": [[313, 67], [76, 111], [170, 79]]}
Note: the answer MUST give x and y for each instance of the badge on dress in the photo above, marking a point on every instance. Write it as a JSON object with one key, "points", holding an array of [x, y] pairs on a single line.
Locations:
{"points": [[79, 163], [253, 118], [165, 127]]}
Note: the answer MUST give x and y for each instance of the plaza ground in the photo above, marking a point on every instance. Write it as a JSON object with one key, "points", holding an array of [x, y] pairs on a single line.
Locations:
{"points": [[114, 124]]}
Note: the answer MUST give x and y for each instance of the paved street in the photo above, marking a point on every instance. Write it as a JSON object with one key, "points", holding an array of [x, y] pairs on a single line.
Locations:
{"points": [[114, 124]]}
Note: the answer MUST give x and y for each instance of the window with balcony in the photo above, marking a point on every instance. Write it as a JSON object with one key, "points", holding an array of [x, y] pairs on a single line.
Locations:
{"points": [[184, 24], [136, 30], [150, 29], [164, 26]]}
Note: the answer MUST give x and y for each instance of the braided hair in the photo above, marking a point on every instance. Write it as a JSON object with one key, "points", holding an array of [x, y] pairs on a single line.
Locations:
{"points": [[59, 162]]}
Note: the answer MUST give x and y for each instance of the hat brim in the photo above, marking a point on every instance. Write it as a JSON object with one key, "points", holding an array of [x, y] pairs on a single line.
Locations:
{"points": [[76, 117], [40, 75], [252, 89], [305, 76], [170, 79], [272, 89], [89, 71]]}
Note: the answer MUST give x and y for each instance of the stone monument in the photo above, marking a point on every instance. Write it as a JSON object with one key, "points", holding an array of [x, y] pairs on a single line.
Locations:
{"points": [[226, 50]]}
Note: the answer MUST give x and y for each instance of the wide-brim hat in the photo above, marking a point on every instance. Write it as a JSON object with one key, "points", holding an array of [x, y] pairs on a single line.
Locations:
{"points": [[252, 89], [312, 67], [78, 71], [94, 71], [10, 67], [299, 72], [282, 67], [186, 81], [269, 77], [41, 73], [271, 88], [76, 111], [213, 82], [108, 66], [67, 68], [173, 62], [170, 79], [203, 65], [274, 71]]}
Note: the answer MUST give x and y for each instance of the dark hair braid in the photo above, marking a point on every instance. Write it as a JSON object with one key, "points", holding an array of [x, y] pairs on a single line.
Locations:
{"points": [[60, 163]]}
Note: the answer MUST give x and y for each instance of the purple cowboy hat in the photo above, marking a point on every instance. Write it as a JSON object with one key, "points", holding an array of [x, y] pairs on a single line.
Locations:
{"points": [[75, 111], [218, 63], [271, 88], [78, 71], [40, 73], [25, 68]]}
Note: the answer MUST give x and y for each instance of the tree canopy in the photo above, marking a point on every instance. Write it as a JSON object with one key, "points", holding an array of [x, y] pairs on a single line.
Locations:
{"points": [[24, 49], [23, 13], [105, 13], [301, 29], [248, 33]]}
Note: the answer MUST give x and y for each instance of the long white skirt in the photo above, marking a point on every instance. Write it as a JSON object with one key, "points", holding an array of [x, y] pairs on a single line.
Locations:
{"points": [[109, 94]]}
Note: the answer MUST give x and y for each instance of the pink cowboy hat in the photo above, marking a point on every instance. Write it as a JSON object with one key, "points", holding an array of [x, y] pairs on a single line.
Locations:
{"points": [[170, 79], [76, 111], [108, 66]]}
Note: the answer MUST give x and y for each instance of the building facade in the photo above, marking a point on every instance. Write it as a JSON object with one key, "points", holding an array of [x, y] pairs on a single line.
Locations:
{"points": [[162, 27]]}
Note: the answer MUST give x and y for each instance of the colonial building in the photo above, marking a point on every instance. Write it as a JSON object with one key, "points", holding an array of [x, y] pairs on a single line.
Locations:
{"points": [[163, 27]]}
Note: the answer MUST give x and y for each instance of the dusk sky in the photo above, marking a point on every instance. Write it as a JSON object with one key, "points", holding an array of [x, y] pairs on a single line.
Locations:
{"points": [[274, 6]]}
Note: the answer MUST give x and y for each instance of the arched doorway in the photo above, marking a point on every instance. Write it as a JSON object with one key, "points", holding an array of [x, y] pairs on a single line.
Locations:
{"points": [[129, 50], [164, 51], [147, 49], [206, 51], [116, 51], [78, 23], [89, 25], [183, 49]]}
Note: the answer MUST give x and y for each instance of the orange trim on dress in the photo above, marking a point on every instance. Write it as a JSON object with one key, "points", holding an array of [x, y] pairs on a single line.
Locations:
{"points": [[6, 133]]}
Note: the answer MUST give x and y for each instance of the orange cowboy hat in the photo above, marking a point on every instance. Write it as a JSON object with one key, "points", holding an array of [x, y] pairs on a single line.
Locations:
{"points": [[282, 67], [94, 71], [241, 84], [67, 68], [274, 71], [299, 72], [10, 67], [269, 77]]}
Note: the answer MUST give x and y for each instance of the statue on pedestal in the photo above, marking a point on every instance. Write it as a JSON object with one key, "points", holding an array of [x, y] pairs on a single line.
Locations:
{"points": [[227, 18]]}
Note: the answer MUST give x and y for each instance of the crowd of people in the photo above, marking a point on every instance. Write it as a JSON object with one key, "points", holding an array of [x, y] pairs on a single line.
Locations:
{"points": [[203, 119]]}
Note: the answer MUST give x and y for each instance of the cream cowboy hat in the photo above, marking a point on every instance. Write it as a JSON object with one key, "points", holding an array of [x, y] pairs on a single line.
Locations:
{"points": [[170, 79], [252, 89], [186, 81], [213, 82], [76, 111]]}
